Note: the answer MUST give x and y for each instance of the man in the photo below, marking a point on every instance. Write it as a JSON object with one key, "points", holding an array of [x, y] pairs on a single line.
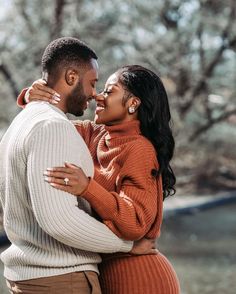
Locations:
{"points": [[54, 243]]}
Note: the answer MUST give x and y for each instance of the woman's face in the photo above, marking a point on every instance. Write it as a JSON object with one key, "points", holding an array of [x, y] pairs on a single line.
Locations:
{"points": [[110, 109]]}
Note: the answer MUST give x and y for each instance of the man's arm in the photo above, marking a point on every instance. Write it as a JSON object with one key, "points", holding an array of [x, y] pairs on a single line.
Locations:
{"points": [[51, 144]]}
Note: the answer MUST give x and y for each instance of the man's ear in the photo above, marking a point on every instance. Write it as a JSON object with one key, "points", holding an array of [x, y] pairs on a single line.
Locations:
{"points": [[71, 76]]}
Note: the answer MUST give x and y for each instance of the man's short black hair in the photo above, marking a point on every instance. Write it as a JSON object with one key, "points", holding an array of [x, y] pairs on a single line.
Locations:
{"points": [[65, 52]]}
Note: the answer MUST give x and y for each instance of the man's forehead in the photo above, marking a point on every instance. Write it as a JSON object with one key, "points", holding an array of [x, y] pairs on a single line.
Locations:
{"points": [[92, 70], [94, 64]]}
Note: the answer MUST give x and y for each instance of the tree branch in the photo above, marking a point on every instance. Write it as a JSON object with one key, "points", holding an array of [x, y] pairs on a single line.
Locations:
{"points": [[21, 6], [209, 69], [211, 123], [58, 18], [6, 73], [201, 50], [167, 19]]}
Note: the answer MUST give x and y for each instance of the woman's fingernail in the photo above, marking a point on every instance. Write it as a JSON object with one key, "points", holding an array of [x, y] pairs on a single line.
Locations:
{"points": [[54, 101], [47, 179], [57, 95], [46, 173], [56, 98], [50, 168]]}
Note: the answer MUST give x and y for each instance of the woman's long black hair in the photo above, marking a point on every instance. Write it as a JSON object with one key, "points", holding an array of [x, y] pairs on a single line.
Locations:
{"points": [[154, 116]]}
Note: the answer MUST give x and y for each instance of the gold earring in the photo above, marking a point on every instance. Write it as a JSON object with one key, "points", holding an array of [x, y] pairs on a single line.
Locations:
{"points": [[131, 109]]}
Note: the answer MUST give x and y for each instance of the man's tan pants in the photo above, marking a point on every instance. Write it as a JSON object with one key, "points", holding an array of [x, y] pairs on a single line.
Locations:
{"points": [[72, 283]]}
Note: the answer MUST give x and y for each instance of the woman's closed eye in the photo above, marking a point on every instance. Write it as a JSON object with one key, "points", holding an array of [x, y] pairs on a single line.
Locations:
{"points": [[106, 93]]}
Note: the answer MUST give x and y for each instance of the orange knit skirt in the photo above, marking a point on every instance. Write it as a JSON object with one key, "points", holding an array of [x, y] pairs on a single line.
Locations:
{"points": [[145, 274]]}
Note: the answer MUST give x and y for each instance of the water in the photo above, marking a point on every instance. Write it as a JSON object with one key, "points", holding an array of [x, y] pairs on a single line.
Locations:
{"points": [[202, 248]]}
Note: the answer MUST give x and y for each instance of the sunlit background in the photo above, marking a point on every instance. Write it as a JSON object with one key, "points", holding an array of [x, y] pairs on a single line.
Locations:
{"points": [[191, 44]]}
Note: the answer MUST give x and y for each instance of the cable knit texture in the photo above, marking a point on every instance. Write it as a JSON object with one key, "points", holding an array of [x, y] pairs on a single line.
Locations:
{"points": [[51, 232], [128, 196]]}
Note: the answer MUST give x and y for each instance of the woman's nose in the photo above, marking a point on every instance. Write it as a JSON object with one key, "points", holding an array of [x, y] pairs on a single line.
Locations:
{"points": [[99, 97]]}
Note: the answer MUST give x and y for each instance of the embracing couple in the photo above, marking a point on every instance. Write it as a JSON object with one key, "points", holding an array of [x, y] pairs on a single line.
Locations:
{"points": [[83, 200]]}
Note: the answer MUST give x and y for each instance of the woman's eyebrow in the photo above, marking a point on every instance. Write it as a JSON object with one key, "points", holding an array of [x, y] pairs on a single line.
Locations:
{"points": [[113, 85]]}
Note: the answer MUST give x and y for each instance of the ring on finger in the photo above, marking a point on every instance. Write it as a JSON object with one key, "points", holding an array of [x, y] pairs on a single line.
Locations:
{"points": [[66, 181]]}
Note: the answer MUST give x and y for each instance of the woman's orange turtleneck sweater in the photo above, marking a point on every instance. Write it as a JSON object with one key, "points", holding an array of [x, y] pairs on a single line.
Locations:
{"points": [[127, 194], [125, 191]]}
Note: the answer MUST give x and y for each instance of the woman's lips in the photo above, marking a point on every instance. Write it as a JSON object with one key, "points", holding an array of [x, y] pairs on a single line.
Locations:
{"points": [[99, 109]]}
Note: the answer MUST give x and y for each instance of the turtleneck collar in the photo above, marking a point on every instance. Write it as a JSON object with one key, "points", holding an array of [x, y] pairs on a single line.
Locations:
{"points": [[129, 128]]}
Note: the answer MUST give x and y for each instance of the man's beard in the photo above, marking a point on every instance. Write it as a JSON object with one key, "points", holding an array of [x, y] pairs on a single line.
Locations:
{"points": [[76, 101]]}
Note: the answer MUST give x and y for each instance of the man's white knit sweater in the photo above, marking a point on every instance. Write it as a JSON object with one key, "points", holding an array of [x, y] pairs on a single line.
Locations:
{"points": [[51, 232]]}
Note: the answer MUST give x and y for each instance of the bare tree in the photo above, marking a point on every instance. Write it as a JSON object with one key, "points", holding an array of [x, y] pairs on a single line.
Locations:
{"points": [[58, 19]]}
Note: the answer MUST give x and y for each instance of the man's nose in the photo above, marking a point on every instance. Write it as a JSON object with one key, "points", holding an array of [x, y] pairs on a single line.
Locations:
{"points": [[94, 94]]}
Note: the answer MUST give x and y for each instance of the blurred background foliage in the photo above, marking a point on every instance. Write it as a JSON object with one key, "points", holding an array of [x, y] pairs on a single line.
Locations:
{"points": [[191, 44]]}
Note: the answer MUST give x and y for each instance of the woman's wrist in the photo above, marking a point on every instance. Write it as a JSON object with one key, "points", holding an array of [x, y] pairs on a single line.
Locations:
{"points": [[85, 188], [26, 97]]}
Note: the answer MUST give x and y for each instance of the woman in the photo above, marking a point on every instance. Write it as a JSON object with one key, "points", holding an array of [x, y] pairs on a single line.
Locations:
{"points": [[131, 144]]}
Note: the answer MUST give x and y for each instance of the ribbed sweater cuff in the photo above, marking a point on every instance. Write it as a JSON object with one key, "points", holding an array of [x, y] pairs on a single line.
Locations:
{"points": [[20, 99], [126, 246], [99, 198]]}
